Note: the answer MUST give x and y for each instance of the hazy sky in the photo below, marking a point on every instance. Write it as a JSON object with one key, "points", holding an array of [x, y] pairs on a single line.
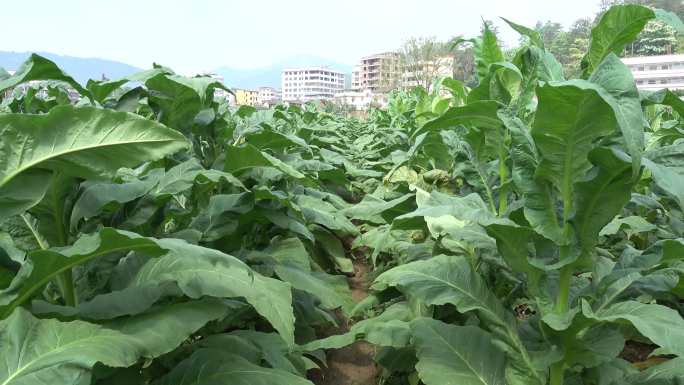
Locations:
{"points": [[199, 35]]}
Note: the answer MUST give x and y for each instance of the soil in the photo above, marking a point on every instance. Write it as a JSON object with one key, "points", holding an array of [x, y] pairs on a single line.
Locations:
{"points": [[353, 364], [638, 354]]}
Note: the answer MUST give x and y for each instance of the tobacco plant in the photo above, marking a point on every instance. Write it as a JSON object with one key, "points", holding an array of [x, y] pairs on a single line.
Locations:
{"points": [[530, 263]]}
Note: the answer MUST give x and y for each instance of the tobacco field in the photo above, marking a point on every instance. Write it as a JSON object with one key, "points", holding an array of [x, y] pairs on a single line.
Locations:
{"points": [[525, 231]]}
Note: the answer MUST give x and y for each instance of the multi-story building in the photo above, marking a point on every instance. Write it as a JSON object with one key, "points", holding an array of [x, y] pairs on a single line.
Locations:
{"points": [[245, 97], [268, 96], [311, 83], [425, 72], [377, 73], [657, 72]]}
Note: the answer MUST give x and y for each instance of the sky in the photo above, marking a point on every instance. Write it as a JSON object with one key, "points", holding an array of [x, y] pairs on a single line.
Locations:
{"points": [[194, 36]]}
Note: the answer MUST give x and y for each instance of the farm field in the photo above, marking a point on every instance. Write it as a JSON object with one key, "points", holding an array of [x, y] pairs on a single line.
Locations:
{"points": [[528, 230]]}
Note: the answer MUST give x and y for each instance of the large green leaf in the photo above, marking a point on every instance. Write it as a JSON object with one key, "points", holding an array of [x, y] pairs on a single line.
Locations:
{"points": [[456, 355], [599, 199], [51, 352], [200, 271], [620, 92], [450, 279], [539, 200], [534, 36], [487, 51], [668, 179], [670, 372], [45, 265], [171, 324], [179, 99], [664, 97], [247, 157], [214, 366], [95, 196], [570, 117], [391, 328], [271, 347], [102, 89], [41, 352], [482, 114], [332, 290], [620, 25], [83, 142], [372, 208], [37, 67], [617, 27], [660, 324]]}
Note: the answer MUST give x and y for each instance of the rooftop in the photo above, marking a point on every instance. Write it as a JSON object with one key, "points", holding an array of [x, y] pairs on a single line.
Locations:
{"points": [[653, 59], [314, 68]]}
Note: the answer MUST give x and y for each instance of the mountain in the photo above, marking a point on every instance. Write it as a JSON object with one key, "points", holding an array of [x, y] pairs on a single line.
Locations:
{"points": [[79, 68], [83, 69], [270, 76]]}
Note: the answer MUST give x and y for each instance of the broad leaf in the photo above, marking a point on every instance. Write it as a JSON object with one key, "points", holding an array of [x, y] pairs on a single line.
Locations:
{"points": [[45, 265], [450, 279], [617, 27], [200, 271], [82, 142], [456, 355], [213, 366], [37, 67]]}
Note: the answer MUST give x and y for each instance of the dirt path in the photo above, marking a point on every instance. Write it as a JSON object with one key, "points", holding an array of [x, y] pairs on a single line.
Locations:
{"points": [[351, 365]]}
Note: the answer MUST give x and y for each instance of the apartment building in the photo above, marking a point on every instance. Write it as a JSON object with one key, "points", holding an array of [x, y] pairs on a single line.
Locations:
{"points": [[657, 72], [425, 72], [377, 73], [311, 83], [246, 97], [268, 96]]}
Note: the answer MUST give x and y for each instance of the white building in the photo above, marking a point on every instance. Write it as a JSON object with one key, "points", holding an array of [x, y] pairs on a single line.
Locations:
{"points": [[360, 100], [657, 72], [268, 96], [311, 83]]}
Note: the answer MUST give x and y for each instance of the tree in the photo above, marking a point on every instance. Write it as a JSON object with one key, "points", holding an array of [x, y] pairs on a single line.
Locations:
{"points": [[657, 38], [567, 46], [424, 59], [464, 66], [549, 31]]}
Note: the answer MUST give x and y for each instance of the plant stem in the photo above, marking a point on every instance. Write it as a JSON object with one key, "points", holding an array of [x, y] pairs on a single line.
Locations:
{"points": [[556, 374], [490, 198], [65, 281], [503, 175], [563, 288], [488, 191]]}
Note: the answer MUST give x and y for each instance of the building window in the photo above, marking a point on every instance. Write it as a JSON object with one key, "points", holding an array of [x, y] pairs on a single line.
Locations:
{"points": [[652, 81], [652, 68], [664, 67]]}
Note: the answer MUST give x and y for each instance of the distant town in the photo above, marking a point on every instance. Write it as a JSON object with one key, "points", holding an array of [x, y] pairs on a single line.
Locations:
{"points": [[376, 75]]}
